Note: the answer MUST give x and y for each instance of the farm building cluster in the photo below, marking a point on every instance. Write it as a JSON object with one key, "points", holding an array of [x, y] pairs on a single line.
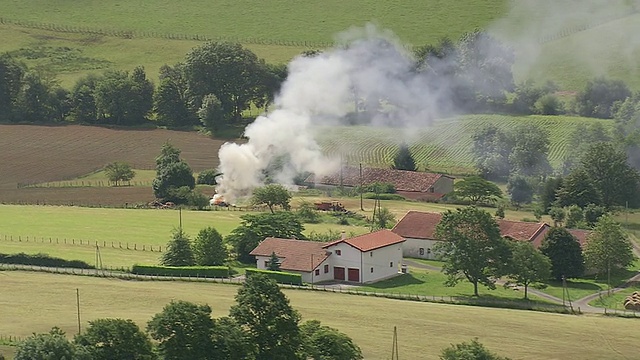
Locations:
{"points": [[378, 255]]}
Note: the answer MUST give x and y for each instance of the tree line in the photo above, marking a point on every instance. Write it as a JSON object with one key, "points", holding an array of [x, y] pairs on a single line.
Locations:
{"points": [[218, 80], [473, 249], [262, 325]]}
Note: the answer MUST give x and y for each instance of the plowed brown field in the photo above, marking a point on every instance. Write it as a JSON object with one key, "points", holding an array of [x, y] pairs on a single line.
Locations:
{"points": [[33, 154]]}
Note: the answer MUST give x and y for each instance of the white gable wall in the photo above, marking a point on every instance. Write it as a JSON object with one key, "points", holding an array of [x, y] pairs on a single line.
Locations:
{"points": [[307, 277], [419, 248], [381, 263], [349, 258]]}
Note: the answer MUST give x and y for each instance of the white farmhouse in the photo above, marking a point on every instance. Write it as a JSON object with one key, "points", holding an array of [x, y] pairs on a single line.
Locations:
{"points": [[362, 259]]}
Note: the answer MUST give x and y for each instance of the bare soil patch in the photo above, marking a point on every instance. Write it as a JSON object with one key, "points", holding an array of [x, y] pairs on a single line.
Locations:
{"points": [[35, 154]]}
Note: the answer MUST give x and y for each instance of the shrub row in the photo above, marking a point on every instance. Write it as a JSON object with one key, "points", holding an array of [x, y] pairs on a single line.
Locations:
{"points": [[186, 271], [42, 260], [278, 276], [383, 196]]}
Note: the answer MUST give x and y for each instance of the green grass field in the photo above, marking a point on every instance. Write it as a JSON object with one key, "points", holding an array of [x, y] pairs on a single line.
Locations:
{"points": [[615, 300], [569, 60], [40, 301], [446, 145]]}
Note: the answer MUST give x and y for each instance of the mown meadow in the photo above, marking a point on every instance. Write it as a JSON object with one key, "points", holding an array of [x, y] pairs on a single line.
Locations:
{"points": [[40, 301]]}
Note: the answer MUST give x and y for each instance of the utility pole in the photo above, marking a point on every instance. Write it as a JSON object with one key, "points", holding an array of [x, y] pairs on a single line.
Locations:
{"points": [[312, 271], [394, 348], [180, 212]]}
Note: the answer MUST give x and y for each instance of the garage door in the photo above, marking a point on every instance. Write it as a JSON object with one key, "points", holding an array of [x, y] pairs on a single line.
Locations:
{"points": [[354, 275], [338, 273]]}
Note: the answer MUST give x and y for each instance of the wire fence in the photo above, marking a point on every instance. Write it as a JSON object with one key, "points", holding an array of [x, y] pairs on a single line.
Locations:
{"points": [[81, 242], [566, 32], [132, 34]]}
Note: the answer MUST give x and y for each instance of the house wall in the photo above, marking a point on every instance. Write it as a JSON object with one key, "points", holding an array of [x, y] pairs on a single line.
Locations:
{"points": [[444, 185], [381, 263], [306, 276], [349, 258], [411, 248]]}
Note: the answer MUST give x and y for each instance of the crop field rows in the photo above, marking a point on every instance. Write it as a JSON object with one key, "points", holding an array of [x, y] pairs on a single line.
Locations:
{"points": [[445, 146]]}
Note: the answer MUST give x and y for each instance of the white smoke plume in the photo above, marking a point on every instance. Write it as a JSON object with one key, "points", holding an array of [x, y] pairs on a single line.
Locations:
{"points": [[320, 90]]}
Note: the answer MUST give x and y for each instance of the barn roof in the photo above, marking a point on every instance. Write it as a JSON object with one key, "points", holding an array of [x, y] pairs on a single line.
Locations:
{"points": [[371, 241], [295, 255], [422, 225], [403, 180]]}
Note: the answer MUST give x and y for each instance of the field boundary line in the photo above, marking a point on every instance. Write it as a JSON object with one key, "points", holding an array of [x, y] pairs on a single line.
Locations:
{"points": [[131, 34]]}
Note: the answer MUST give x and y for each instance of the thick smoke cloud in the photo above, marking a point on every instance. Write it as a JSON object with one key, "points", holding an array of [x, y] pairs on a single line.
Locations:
{"points": [[369, 65]]}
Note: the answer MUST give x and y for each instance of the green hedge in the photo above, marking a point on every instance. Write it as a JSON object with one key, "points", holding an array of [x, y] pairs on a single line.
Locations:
{"points": [[278, 276], [382, 196], [186, 271], [42, 260]]}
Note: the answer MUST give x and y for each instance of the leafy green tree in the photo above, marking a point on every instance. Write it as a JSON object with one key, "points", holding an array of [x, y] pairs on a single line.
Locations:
{"points": [[11, 74], [564, 252], [582, 137], [107, 339], [35, 102], [208, 248], [118, 172], [477, 190], [325, 343], [183, 331], [229, 71], [307, 213], [272, 195], [83, 102], [520, 190], [173, 102], [527, 95], [403, 159], [575, 217], [558, 215], [255, 228], [230, 341], [208, 177], [485, 68], [549, 104], [211, 114], [122, 99], [471, 247], [529, 155], [273, 76], [270, 321], [500, 211], [592, 213], [274, 262], [578, 189], [196, 199], [528, 265], [171, 174], [549, 191], [384, 219], [608, 247], [473, 350], [612, 175], [48, 346], [599, 95], [178, 252], [491, 149]]}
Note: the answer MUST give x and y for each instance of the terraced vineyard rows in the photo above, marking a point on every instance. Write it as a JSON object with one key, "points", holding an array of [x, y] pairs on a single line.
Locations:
{"points": [[445, 146]]}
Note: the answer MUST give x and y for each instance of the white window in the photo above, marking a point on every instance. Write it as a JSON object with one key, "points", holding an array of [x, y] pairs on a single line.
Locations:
{"points": [[317, 271], [338, 252], [372, 270], [371, 254], [421, 251], [391, 264]]}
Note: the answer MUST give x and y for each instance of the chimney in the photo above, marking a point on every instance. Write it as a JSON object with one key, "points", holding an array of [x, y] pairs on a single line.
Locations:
{"points": [[343, 235]]}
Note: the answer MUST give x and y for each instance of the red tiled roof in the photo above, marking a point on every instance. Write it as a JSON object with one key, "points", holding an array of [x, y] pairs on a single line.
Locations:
{"points": [[371, 241], [402, 180], [295, 255], [422, 225], [581, 235], [418, 225]]}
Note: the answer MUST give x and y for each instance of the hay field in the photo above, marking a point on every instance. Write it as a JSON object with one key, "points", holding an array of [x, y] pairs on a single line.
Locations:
{"points": [[36, 302]]}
